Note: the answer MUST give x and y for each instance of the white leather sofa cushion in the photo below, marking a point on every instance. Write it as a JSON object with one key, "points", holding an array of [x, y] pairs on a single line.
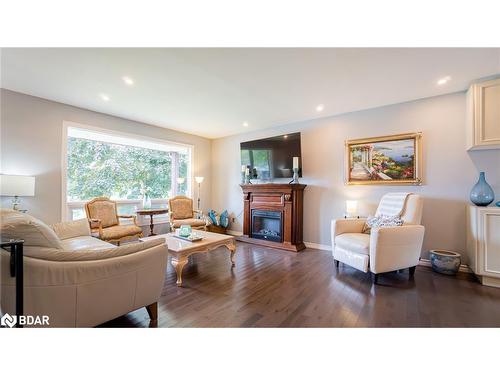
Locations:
{"points": [[69, 229], [34, 232], [357, 242], [86, 243], [57, 255]]}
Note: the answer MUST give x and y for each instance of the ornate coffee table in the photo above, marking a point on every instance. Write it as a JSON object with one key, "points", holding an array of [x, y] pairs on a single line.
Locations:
{"points": [[180, 249]]}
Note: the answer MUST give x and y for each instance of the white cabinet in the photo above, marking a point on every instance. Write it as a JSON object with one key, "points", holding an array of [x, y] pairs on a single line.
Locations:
{"points": [[483, 244], [483, 115]]}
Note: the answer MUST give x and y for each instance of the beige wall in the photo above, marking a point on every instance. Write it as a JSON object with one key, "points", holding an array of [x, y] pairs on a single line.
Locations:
{"points": [[31, 139], [449, 171]]}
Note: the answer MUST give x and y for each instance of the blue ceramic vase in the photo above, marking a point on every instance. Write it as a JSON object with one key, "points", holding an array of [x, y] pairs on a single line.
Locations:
{"points": [[482, 193]]}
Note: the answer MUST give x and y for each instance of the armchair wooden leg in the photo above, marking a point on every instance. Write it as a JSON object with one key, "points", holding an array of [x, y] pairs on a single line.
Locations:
{"points": [[375, 278], [153, 312], [412, 271], [336, 263]]}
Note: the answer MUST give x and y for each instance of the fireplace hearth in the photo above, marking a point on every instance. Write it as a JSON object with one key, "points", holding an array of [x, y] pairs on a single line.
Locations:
{"points": [[267, 225]]}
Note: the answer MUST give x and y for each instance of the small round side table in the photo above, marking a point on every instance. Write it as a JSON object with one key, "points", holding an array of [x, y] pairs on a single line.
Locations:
{"points": [[152, 212]]}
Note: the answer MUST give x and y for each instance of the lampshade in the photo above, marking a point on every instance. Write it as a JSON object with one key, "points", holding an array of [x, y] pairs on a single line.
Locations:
{"points": [[351, 207], [180, 180], [199, 179], [22, 186]]}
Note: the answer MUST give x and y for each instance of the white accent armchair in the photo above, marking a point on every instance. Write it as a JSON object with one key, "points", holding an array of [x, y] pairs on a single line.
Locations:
{"points": [[386, 249]]}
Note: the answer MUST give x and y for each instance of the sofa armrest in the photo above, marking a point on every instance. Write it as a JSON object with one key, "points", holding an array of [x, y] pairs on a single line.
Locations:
{"points": [[394, 248], [70, 229]]}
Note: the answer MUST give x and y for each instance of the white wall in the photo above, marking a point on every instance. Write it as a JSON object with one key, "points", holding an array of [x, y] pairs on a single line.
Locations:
{"points": [[31, 141], [449, 171]]}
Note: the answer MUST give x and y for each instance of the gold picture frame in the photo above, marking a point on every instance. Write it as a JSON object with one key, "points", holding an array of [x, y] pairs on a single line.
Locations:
{"points": [[388, 160]]}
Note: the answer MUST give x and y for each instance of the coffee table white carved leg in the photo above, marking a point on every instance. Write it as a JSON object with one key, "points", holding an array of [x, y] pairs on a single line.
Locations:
{"points": [[180, 260], [179, 264]]}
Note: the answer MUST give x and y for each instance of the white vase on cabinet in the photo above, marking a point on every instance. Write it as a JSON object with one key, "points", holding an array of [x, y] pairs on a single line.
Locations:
{"points": [[483, 115], [483, 244]]}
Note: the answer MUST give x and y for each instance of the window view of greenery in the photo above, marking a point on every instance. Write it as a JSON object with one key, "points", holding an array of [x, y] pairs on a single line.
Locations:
{"points": [[121, 172]]}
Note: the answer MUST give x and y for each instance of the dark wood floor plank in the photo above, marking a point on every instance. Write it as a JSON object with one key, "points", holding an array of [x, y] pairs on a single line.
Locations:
{"points": [[273, 288]]}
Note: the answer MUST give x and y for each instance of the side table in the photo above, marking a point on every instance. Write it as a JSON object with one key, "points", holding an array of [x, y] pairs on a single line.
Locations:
{"points": [[15, 247], [152, 212]]}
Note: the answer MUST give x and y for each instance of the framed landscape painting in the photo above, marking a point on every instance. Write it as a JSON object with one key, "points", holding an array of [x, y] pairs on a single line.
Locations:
{"points": [[394, 159]]}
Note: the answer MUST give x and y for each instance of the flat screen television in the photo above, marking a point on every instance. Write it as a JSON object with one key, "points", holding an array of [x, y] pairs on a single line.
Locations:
{"points": [[271, 158]]}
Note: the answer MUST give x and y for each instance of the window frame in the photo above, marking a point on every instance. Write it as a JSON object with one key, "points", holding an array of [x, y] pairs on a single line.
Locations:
{"points": [[66, 206]]}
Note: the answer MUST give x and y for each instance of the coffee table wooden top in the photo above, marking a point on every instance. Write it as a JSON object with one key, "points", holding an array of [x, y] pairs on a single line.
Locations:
{"points": [[179, 246]]}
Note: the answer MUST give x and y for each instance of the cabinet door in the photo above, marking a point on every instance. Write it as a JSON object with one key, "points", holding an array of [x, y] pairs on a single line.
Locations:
{"points": [[487, 113], [491, 243]]}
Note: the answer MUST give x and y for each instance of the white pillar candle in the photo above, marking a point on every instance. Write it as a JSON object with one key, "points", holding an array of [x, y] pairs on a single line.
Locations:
{"points": [[295, 162], [243, 168], [247, 171]]}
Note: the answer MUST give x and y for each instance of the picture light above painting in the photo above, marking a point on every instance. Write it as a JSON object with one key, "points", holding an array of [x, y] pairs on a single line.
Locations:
{"points": [[393, 159]]}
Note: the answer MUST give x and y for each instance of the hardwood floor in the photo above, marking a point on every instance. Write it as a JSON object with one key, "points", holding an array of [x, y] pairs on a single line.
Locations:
{"points": [[272, 288]]}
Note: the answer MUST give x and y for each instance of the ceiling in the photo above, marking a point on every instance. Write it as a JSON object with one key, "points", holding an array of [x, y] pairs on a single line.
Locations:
{"points": [[212, 92]]}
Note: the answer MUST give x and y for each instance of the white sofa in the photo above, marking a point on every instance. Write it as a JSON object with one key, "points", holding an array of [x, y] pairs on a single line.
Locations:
{"points": [[386, 249], [78, 280]]}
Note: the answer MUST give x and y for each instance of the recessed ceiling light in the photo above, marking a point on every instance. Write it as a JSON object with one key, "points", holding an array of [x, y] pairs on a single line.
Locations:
{"points": [[245, 124], [285, 136], [320, 107], [104, 97], [443, 80], [128, 81]]}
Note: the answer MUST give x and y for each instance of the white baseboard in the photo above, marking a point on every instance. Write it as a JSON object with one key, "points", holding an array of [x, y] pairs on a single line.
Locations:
{"points": [[427, 263], [318, 246], [310, 245]]}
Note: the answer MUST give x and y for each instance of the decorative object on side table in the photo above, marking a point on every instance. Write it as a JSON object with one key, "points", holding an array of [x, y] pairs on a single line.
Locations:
{"points": [[295, 179], [219, 223], [497, 204], [146, 200], [482, 194], [17, 186], [445, 262]]}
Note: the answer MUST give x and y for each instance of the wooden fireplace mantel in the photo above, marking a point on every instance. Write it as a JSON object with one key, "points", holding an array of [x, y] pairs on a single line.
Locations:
{"points": [[286, 198]]}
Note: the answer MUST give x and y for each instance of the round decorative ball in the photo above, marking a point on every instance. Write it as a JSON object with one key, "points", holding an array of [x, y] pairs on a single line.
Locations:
{"points": [[445, 262], [498, 204]]}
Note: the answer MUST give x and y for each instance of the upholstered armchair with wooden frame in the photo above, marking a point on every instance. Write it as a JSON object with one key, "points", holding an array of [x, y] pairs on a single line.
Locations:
{"points": [[182, 213], [104, 220]]}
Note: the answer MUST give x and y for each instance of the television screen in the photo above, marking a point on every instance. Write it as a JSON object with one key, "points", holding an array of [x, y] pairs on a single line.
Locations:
{"points": [[271, 158]]}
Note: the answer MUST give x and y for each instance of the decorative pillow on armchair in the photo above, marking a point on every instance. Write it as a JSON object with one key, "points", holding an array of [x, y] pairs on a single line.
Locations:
{"points": [[381, 221]]}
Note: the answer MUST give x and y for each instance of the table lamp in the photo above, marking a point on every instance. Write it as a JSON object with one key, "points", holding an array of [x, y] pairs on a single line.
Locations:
{"points": [[351, 208], [17, 186]]}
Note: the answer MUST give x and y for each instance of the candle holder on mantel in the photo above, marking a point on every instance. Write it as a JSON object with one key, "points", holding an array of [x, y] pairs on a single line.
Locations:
{"points": [[247, 176], [295, 178]]}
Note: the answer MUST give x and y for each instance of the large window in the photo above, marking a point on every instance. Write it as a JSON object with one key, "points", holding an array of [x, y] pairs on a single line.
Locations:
{"points": [[123, 168]]}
